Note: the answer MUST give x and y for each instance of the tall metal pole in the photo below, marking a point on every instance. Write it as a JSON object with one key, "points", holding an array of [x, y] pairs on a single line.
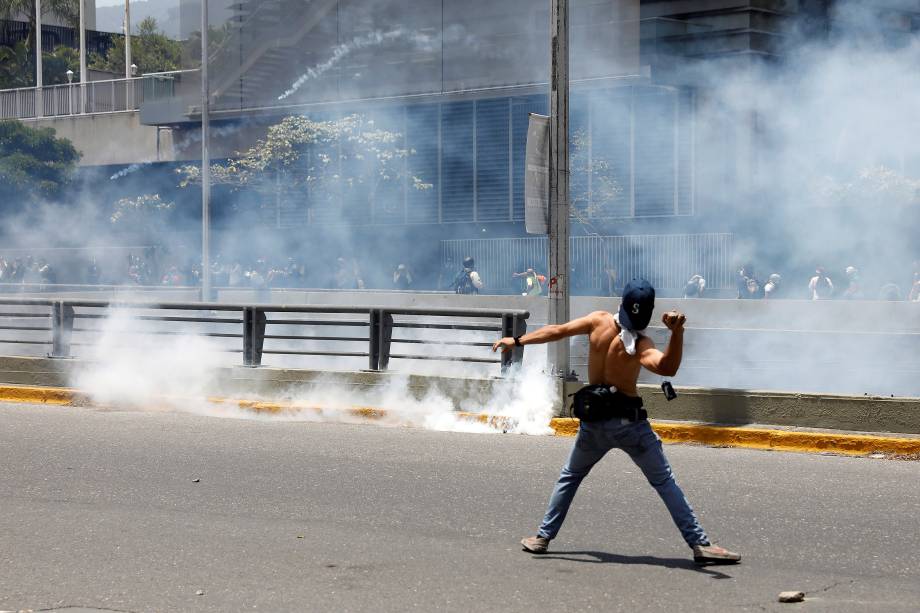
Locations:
{"points": [[559, 180], [83, 78], [39, 98], [129, 86], [205, 161]]}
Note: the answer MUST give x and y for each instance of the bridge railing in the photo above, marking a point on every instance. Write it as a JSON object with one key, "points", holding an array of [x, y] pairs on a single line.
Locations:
{"points": [[92, 97], [379, 334]]}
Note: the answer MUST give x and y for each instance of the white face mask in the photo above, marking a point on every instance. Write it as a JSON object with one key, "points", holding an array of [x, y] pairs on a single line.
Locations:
{"points": [[629, 337]]}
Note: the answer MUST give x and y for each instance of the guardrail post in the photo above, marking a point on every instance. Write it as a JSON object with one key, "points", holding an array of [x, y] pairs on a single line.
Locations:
{"points": [[373, 338], [386, 335], [254, 322], [61, 329], [513, 325]]}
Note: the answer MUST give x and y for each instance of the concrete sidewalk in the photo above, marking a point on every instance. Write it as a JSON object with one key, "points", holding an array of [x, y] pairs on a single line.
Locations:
{"points": [[808, 440]]}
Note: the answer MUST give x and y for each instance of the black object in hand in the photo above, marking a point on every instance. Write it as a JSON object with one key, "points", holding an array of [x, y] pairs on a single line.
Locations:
{"points": [[668, 390]]}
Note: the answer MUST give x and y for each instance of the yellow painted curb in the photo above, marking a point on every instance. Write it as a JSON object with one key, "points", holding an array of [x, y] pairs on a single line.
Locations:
{"points": [[765, 438], [670, 432]]}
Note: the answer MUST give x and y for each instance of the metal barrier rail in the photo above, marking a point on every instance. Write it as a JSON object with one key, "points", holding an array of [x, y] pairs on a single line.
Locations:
{"points": [[256, 323]]}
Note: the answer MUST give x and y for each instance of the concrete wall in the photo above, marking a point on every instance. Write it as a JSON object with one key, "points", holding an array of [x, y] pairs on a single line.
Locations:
{"points": [[730, 407], [111, 138]]}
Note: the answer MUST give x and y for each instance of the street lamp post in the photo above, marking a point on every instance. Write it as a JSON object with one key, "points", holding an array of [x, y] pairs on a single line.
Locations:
{"points": [[205, 161], [559, 180], [69, 74], [83, 78], [39, 94], [129, 83]]}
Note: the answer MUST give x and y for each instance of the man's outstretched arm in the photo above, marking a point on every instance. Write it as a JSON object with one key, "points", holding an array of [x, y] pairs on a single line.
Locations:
{"points": [[548, 334]]}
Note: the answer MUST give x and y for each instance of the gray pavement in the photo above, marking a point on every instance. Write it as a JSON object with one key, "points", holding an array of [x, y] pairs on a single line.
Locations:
{"points": [[101, 510]]}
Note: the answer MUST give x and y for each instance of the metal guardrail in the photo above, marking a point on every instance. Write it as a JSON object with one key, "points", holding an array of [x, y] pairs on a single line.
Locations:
{"points": [[41, 322], [92, 97]]}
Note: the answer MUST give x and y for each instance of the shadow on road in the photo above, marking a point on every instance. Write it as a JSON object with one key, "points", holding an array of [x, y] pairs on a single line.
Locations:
{"points": [[602, 557]]}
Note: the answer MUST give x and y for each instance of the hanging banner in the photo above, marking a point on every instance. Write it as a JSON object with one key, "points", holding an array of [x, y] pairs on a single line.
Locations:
{"points": [[536, 175]]}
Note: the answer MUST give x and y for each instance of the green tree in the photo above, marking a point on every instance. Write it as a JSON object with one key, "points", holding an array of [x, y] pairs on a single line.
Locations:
{"points": [[324, 159], [34, 163], [151, 51], [16, 66]]}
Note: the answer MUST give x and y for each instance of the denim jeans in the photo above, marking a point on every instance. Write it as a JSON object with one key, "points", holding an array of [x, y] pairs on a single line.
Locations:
{"points": [[637, 439]]}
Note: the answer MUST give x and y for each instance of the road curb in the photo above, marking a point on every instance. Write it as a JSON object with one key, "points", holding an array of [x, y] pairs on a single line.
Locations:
{"points": [[670, 432]]}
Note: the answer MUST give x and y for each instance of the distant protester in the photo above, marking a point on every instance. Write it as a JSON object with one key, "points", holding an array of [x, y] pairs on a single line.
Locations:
{"points": [[854, 289], [820, 286], [402, 277], [771, 290], [467, 280], [532, 282], [914, 295], [749, 287], [610, 280], [890, 292], [695, 287], [347, 275]]}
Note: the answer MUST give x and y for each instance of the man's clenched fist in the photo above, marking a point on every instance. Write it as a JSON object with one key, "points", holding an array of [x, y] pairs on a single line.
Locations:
{"points": [[674, 320]]}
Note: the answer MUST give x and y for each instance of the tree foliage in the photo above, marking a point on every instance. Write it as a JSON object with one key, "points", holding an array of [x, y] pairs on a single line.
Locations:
{"points": [[875, 186], [34, 163], [324, 159], [142, 211], [151, 51]]}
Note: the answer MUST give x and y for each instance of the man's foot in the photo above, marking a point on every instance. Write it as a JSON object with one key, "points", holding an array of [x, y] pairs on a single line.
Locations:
{"points": [[535, 544], [713, 554]]}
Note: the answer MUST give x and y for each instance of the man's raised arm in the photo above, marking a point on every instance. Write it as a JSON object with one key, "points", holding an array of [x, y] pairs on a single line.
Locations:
{"points": [[547, 334], [667, 362]]}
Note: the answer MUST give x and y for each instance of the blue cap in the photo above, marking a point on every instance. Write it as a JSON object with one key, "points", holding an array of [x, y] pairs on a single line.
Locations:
{"points": [[637, 305]]}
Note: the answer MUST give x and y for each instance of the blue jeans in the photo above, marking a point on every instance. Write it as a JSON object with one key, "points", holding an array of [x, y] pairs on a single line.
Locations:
{"points": [[637, 439]]}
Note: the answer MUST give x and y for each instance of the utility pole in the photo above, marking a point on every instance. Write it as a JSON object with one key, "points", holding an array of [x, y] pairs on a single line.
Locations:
{"points": [[83, 77], [205, 162], [559, 181], [129, 85], [39, 98]]}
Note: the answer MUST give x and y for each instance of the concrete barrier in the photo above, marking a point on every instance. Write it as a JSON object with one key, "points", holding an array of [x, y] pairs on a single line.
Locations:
{"points": [[712, 406]]}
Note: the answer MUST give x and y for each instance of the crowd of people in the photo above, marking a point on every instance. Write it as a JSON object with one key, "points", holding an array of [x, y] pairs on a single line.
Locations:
{"points": [[151, 268], [26, 270], [820, 286]]}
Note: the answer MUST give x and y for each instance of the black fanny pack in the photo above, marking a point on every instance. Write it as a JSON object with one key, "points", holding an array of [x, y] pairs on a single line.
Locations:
{"points": [[598, 403]]}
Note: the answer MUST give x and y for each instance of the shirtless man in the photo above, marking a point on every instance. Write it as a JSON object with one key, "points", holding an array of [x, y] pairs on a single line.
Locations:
{"points": [[618, 351]]}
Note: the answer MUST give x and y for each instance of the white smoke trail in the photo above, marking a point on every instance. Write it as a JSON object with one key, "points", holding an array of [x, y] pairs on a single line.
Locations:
{"points": [[129, 170], [342, 51]]}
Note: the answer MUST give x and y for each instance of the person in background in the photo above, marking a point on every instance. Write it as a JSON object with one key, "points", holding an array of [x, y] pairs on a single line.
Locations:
{"points": [[820, 285], [467, 280], [533, 283], [610, 280], [695, 287], [854, 289], [93, 272], [402, 277], [749, 287], [771, 290], [890, 292], [914, 295]]}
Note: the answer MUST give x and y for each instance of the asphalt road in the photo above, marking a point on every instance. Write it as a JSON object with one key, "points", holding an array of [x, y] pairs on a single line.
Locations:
{"points": [[101, 510]]}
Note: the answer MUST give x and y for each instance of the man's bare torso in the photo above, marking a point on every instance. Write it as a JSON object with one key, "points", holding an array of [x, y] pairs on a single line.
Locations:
{"points": [[608, 362]]}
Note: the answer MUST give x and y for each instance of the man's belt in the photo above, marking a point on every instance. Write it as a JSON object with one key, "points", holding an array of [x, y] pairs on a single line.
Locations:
{"points": [[598, 403]]}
